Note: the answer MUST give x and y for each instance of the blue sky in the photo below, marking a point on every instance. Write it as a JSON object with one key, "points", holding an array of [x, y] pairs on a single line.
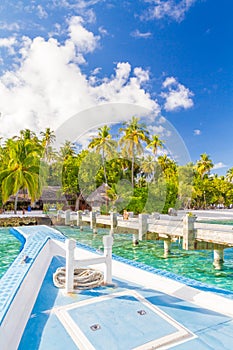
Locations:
{"points": [[60, 57]]}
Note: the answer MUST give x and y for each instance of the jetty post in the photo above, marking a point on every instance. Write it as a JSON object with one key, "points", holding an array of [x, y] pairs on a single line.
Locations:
{"points": [[59, 215], [189, 232], [167, 246], [79, 220], [93, 221], [113, 222], [143, 226], [218, 257], [67, 217]]}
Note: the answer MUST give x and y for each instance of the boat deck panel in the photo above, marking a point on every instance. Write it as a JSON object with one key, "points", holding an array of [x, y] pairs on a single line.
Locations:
{"points": [[60, 321]]}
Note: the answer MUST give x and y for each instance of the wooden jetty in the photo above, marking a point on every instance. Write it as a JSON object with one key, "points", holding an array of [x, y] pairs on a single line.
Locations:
{"points": [[194, 235]]}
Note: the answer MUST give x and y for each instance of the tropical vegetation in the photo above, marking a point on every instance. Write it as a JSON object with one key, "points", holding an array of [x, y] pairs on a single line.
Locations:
{"points": [[135, 166]]}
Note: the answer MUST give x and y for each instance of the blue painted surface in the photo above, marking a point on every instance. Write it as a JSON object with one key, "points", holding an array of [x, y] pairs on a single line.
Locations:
{"points": [[44, 331], [37, 236], [19, 236], [184, 280], [121, 326]]}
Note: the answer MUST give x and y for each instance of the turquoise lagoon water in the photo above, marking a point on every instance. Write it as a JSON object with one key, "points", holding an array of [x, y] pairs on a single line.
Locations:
{"points": [[9, 249], [197, 265]]}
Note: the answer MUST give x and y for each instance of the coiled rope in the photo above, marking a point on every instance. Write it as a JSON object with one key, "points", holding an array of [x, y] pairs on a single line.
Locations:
{"points": [[84, 278]]}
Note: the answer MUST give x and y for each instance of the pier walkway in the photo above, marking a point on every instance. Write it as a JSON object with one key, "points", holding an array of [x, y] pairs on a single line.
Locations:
{"points": [[195, 235]]}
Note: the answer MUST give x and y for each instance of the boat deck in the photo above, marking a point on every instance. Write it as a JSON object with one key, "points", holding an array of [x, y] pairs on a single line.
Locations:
{"points": [[126, 315]]}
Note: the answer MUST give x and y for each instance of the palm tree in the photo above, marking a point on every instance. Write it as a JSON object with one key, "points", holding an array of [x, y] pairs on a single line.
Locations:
{"points": [[134, 134], [229, 175], [149, 167], [168, 167], [48, 137], [103, 145], [67, 150], [155, 143], [22, 170], [203, 165], [27, 134]]}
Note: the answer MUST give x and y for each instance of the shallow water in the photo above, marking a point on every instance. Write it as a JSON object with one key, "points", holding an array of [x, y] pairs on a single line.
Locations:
{"points": [[197, 265], [9, 249]]}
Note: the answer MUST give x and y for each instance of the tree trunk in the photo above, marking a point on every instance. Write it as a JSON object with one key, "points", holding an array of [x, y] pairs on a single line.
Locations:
{"points": [[103, 162], [16, 202], [132, 172], [77, 206]]}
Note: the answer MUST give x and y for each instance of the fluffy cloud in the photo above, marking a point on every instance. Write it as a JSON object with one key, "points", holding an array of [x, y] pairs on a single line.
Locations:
{"points": [[47, 86], [8, 43], [219, 165], [137, 34], [83, 40], [169, 8], [177, 96], [197, 132], [9, 26], [41, 12]]}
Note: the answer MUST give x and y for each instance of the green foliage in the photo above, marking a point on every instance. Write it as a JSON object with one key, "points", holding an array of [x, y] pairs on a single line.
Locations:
{"points": [[138, 180], [88, 170], [185, 184], [138, 200], [171, 197], [156, 197], [22, 168]]}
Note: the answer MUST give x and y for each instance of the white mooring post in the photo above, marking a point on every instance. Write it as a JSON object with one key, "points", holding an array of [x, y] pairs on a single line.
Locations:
{"points": [[108, 242], [70, 247]]}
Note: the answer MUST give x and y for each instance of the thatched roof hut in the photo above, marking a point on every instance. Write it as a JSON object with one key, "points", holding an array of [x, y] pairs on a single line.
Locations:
{"points": [[53, 194], [99, 197], [50, 195]]}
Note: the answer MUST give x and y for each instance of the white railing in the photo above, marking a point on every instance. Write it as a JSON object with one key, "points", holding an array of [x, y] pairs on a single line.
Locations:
{"points": [[185, 227], [72, 263]]}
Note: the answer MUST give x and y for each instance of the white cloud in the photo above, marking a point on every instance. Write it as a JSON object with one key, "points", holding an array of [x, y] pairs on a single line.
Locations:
{"points": [[41, 12], [177, 96], [141, 74], [156, 129], [77, 4], [159, 9], [80, 7], [219, 165], [96, 71], [137, 34], [14, 26], [126, 88], [103, 31], [169, 81], [8, 43], [197, 132], [48, 85], [84, 40], [84, 140], [162, 120]]}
